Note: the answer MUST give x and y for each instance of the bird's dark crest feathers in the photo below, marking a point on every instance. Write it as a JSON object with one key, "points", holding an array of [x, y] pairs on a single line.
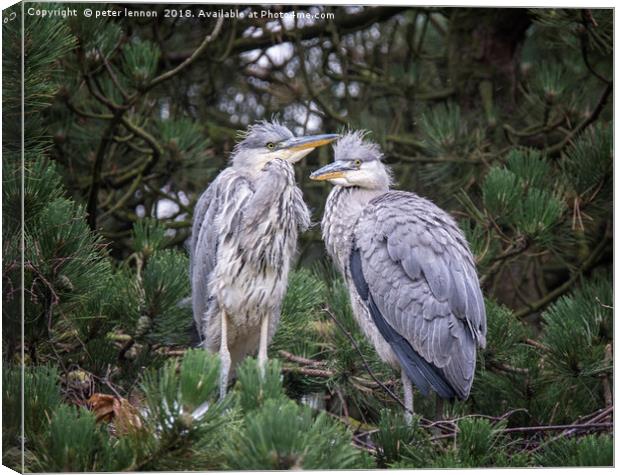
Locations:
{"points": [[354, 145], [423, 375], [259, 134]]}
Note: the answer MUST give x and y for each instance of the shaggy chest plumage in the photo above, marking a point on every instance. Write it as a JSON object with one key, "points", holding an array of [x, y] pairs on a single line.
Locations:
{"points": [[254, 260], [342, 210], [250, 228]]}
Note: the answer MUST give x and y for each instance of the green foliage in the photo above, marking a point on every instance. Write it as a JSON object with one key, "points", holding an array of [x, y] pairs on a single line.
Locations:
{"points": [[140, 61], [12, 397], [398, 440], [345, 359], [300, 312], [183, 420], [46, 41], [98, 37], [505, 334], [587, 162], [75, 444], [443, 130], [42, 186], [479, 442], [500, 193], [172, 396], [481, 245], [588, 451], [198, 378], [41, 397], [281, 435], [577, 331], [517, 195], [506, 367], [66, 268], [548, 84], [165, 282], [530, 167], [538, 213], [254, 388], [149, 235], [184, 140]]}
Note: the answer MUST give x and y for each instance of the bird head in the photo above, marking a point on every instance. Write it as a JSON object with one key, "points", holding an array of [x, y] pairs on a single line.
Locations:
{"points": [[357, 162], [266, 141]]}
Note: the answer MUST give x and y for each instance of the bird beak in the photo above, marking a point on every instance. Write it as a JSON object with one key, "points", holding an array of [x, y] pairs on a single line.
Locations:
{"points": [[311, 141], [331, 171]]}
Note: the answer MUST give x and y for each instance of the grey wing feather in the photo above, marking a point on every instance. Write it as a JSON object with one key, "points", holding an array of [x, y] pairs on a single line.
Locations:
{"points": [[217, 213], [422, 278], [200, 210], [419, 371]]}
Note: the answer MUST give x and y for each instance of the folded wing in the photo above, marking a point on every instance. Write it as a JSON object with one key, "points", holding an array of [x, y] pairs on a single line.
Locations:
{"points": [[422, 290]]}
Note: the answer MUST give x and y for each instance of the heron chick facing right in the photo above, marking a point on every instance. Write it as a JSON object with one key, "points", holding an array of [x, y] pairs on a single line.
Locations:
{"points": [[411, 276]]}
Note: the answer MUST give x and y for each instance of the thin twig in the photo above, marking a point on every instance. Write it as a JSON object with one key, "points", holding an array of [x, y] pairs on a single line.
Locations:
{"points": [[388, 391], [113, 75], [554, 149], [321, 373], [167, 75], [558, 291], [300, 359], [596, 425]]}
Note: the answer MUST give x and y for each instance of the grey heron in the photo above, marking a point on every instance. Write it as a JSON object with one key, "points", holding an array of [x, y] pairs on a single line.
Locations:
{"points": [[244, 235], [411, 275]]}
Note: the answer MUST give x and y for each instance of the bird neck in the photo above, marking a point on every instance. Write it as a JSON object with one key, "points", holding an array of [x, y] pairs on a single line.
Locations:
{"points": [[249, 164], [357, 197], [342, 210]]}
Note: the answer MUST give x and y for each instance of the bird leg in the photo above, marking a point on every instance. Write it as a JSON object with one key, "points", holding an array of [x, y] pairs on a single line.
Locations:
{"points": [[439, 408], [262, 346], [408, 390], [224, 356]]}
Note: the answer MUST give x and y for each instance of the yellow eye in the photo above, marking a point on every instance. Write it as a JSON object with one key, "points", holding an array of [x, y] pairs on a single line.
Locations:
{"points": [[271, 145], [357, 163]]}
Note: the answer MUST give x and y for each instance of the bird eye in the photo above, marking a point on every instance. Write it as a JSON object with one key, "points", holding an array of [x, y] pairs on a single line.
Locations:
{"points": [[357, 163], [271, 145]]}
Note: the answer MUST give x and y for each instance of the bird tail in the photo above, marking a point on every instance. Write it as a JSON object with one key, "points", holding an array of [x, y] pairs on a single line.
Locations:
{"points": [[421, 373]]}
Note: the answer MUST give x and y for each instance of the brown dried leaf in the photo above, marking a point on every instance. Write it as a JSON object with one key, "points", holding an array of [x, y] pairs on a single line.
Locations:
{"points": [[108, 408]]}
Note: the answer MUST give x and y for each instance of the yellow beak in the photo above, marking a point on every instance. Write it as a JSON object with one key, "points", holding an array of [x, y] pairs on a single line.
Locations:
{"points": [[331, 171], [310, 141]]}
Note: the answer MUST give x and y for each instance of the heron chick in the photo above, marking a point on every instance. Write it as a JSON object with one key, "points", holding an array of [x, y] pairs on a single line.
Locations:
{"points": [[244, 236], [411, 276]]}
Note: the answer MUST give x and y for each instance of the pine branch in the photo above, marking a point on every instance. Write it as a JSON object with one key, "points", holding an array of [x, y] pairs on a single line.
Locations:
{"points": [[300, 359], [588, 263], [328, 110], [343, 21], [557, 148], [113, 76], [583, 39], [314, 372], [91, 206], [574, 427], [167, 75], [593, 418], [443, 159]]}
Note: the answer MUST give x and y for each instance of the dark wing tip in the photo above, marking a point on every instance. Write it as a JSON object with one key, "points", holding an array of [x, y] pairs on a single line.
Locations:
{"points": [[194, 336]]}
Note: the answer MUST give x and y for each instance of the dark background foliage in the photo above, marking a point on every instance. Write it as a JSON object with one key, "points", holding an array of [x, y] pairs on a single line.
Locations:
{"points": [[503, 117]]}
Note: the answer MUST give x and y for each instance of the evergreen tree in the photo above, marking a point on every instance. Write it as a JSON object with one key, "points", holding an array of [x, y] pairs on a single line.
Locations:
{"points": [[501, 116]]}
